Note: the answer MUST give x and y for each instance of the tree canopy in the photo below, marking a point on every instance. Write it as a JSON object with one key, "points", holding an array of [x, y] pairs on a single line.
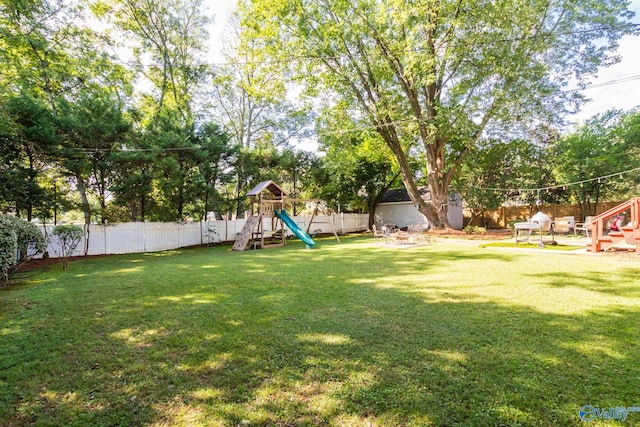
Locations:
{"points": [[591, 155], [437, 75], [114, 109]]}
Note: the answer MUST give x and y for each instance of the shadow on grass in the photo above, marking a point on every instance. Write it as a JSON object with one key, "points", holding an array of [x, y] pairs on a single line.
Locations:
{"points": [[624, 282], [232, 337]]}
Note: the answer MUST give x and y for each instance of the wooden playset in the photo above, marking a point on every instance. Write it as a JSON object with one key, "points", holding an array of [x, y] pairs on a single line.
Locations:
{"points": [[265, 227]]}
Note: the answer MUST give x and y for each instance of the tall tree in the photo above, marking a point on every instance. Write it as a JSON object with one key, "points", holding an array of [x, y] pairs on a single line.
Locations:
{"points": [[167, 42], [94, 128], [250, 101], [55, 57], [26, 135], [133, 186], [167, 38], [176, 164], [250, 98], [605, 144], [496, 171], [359, 166], [437, 75], [215, 161]]}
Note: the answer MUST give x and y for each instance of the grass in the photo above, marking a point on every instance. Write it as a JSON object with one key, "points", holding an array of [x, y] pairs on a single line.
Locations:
{"points": [[525, 245], [351, 334]]}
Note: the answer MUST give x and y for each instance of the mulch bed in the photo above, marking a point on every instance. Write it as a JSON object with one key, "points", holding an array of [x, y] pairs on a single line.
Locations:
{"points": [[47, 262], [497, 234]]}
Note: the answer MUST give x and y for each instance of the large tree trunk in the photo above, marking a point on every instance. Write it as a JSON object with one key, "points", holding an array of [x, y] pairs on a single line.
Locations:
{"points": [[436, 210], [439, 206]]}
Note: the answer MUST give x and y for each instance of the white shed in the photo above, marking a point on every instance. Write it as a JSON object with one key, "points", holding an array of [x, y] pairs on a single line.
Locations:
{"points": [[397, 208]]}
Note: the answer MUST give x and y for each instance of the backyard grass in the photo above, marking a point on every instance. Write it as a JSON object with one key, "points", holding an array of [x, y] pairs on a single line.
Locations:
{"points": [[525, 245], [350, 334]]}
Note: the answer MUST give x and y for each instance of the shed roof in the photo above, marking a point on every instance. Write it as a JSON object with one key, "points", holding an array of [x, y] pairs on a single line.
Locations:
{"points": [[267, 185], [400, 195]]}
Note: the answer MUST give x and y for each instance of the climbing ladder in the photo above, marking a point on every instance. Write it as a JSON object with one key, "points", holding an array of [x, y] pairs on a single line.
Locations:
{"points": [[247, 232]]}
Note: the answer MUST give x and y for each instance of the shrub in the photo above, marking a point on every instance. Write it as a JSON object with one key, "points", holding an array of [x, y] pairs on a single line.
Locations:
{"points": [[8, 248], [29, 241], [473, 229], [68, 238]]}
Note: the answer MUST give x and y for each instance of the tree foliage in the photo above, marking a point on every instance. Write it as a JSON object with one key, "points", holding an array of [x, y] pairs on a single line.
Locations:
{"points": [[93, 128], [8, 248], [20, 240], [28, 134], [438, 75], [358, 167], [172, 35], [495, 173], [251, 97], [604, 145]]}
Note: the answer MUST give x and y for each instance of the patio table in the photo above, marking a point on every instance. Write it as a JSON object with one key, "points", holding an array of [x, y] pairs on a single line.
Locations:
{"points": [[528, 227]]}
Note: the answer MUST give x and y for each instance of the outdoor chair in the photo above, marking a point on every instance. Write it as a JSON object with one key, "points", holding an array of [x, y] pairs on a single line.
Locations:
{"points": [[377, 233], [417, 233], [562, 224], [583, 226], [389, 228]]}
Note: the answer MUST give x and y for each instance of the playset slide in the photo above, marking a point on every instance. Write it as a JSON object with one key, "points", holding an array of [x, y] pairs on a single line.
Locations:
{"points": [[295, 228]]}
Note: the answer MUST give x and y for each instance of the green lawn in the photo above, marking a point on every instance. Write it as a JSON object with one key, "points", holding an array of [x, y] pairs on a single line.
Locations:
{"points": [[525, 245], [350, 334]]}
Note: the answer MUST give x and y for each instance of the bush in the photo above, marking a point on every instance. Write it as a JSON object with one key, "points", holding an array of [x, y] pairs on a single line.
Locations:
{"points": [[29, 241], [474, 229], [8, 248], [68, 238]]}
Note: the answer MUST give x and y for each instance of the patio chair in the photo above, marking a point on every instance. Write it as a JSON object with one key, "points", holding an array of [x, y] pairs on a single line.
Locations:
{"points": [[583, 226], [417, 233], [389, 228], [377, 233]]}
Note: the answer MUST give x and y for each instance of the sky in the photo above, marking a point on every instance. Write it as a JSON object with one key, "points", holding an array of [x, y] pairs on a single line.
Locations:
{"points": [[608, 91]]}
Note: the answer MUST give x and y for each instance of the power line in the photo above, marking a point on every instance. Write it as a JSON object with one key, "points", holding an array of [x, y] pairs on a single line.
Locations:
{"points": [[130, 150], [607, 83], [569, 184]]}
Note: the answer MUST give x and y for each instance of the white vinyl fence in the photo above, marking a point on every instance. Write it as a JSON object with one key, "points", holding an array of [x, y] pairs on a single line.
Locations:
{"points": [[137, 237]]}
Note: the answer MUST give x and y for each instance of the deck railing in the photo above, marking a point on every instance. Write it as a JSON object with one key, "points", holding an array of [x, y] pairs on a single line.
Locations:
{"points": [[598, 222]]}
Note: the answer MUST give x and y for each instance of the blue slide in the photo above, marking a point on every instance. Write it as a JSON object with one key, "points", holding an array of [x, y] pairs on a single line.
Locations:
{"points": [[291, 224]]}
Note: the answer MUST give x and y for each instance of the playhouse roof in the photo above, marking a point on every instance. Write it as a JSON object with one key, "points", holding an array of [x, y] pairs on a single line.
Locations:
{"points": [[267, 185]]}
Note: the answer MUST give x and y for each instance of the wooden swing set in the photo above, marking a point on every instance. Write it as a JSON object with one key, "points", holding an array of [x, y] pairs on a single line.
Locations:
{"points": [[264, 227]]}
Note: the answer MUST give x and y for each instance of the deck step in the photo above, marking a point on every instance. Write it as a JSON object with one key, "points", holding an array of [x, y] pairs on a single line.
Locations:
{"points": [[628, 237]]}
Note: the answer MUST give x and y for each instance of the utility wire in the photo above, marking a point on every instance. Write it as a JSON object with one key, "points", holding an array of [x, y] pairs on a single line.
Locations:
{"points": [[553, 187], [607, 83]]}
